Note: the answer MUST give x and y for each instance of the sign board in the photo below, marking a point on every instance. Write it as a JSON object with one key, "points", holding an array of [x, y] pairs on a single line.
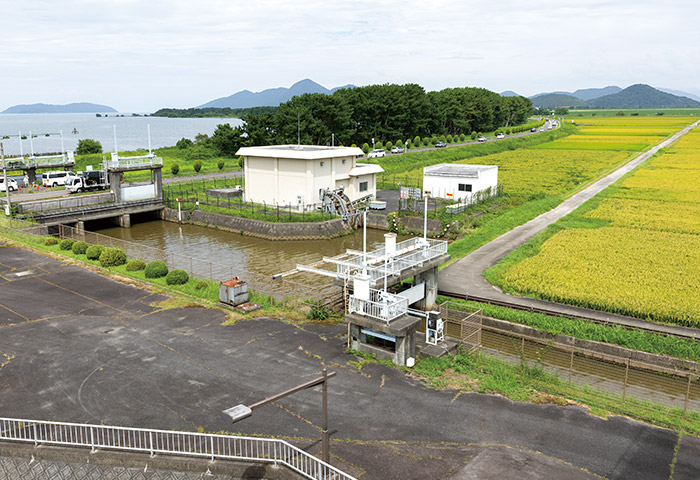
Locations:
{"points": [[427, 193], [415, 193], [449, 195], [404, 192], [239, 412]]}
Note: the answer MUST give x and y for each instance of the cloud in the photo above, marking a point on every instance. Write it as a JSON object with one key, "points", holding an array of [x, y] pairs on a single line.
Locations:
{"points": [[140, 55]]}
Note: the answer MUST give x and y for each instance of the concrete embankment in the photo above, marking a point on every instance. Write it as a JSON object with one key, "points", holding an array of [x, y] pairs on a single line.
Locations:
{"points": [[260, 229]]}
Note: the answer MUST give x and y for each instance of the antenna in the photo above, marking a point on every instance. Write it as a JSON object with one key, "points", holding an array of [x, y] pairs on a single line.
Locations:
{"points": [[31, 143], [332, 139], [298, 130], [116, 151], [149, 139]]}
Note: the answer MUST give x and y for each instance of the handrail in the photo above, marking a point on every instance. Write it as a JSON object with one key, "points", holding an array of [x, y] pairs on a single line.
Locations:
{"points": [[152, 441]]}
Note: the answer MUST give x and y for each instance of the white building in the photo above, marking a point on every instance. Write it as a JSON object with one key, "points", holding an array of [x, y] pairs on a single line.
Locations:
{"points": [[455, 181], [297, 174]]}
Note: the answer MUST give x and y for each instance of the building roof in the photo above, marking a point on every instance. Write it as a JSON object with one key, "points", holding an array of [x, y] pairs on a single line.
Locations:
{"points": [[299, 152], [456, 170], [365, 169]]}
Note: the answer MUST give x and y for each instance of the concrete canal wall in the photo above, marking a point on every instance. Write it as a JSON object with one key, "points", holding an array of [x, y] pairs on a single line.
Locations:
{"points": [[259, 229]]}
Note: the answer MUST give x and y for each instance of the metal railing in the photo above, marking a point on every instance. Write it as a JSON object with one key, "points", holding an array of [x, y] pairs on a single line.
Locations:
{"points": [[379, 264], [190, 444], [381, 305], [126, 162]]}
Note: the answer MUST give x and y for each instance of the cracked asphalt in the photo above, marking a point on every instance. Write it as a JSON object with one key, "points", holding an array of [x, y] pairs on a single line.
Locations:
{"points": [[77, 346]]}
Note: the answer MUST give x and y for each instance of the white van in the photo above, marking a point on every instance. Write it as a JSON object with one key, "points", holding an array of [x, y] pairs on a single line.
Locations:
{"points": [[11, 182], [54, 179]]}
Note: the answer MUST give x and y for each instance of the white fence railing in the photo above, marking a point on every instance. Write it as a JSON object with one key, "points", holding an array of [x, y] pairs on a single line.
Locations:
{"points": [[381, 305], [127, 162], [268, 450]]}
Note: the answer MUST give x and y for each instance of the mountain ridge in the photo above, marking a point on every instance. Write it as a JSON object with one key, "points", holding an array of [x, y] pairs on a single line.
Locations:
{"points": [[634, 96], [271, 97], [77, 107]]}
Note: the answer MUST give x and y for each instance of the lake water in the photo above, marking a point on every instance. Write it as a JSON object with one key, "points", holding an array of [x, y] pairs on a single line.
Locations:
{"points": [[132, 132]]}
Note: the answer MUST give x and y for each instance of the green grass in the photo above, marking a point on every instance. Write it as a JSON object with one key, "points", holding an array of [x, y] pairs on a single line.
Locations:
{"points": [[584, 330]]}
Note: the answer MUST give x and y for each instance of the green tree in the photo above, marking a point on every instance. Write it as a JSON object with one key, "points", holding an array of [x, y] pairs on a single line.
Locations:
{"points": [[365, 148], [416, 140], [561, 111], [197, 165], [184, 143], [174, 168], [87, 146], [226, 140], [474, 135], [388, 145]]}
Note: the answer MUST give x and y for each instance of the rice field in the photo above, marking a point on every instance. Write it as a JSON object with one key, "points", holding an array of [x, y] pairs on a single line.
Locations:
{"points": [[638, 252]]}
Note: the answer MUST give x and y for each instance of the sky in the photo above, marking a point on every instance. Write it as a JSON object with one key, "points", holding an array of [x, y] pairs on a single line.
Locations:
{"points": [[138, 56]]}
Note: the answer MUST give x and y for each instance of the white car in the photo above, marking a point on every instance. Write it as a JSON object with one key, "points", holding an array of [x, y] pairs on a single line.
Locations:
{"points": [[500, 135], [397, 150], [11, 182], [376, 153]]}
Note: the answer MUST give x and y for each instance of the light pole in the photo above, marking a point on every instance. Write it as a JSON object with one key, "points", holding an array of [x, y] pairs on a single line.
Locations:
{"points": [[4, 174], [239, 412]]}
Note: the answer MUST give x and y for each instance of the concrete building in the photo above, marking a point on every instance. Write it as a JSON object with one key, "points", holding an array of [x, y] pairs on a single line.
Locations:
{"points": [[297, 174], [459, 182]]}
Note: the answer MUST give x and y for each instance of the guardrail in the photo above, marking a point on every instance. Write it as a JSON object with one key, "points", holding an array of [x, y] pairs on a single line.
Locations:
{"points": [[190, 444], [128, 162], [381, 305]]}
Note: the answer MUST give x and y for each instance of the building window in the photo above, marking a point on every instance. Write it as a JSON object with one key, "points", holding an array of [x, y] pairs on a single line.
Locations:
{"points": [[465, 187], [363, 186]]}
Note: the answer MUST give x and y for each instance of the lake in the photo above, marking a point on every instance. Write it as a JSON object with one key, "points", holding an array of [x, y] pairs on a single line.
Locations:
{"points": [[132, 132]]}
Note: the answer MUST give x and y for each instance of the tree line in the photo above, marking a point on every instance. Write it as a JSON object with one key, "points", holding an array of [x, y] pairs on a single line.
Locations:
{"points": [[380, 112]]}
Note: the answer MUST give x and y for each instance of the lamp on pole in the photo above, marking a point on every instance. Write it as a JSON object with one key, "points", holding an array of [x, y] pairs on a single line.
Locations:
{"points": [[240, 412], [7, 186]]}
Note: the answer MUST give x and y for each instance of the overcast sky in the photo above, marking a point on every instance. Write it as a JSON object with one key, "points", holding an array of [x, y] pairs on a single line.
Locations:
{"points": [[143, 55]]}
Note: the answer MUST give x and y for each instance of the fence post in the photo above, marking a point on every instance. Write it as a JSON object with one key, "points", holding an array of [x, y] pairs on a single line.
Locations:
{"points": [[92, 439], [571, 365], [624, 388], [150, 443], [687, 396], [36, 437], [522, 354]]}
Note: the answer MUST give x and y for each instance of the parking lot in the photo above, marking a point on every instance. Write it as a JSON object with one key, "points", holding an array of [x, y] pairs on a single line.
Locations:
{"points": [[77, 346]]}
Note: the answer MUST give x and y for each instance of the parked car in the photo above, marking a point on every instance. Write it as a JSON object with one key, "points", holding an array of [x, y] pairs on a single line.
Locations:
{"points": [[376, 153], [533, 129], [397, 150], [54, 179], [500, 135], [440, 144], [482, 138], [11, 182], [541, 129]]}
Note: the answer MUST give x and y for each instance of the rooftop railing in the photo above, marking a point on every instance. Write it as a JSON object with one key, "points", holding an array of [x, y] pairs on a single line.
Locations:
{"points": [[127, 162], [190, 444], [381, 305]]}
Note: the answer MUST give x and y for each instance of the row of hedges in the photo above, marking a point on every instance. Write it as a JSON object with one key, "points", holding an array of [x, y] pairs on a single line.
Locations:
{"points": [[114, 257]]}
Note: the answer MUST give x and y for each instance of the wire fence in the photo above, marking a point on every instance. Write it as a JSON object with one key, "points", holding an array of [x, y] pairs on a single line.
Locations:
{"points": [[189, 444], [289, 292], [225, 195]]}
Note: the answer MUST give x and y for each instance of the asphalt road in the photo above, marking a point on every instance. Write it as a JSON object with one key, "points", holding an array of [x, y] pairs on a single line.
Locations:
{"points": [[76, 346]]}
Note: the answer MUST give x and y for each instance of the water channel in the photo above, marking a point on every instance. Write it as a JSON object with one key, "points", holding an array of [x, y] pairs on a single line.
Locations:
{"points": [[249, 254]]}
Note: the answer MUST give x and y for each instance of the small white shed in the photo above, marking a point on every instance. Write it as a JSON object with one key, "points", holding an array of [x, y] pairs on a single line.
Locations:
{"points": [[455, 181]]}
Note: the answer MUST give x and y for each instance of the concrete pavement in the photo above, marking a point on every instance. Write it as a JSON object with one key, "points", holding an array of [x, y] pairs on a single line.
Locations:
{"points": [[76, 346]]}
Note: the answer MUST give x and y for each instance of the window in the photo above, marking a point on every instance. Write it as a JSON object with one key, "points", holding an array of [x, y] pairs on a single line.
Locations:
{"points": [[363, 186], [465, 187]]}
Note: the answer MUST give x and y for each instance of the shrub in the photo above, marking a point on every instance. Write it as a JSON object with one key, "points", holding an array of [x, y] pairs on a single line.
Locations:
{"points": [[448, 139], [135, 265], [184, 143], [156, 269], [365, 148], [378, 145], [509, 131], [416, 140], [462, 137], [433, 140], [197, 165], [318, 312], [201, 284], [241, 161], [426, 141], [177, 277], [87, 146], [50, 241], [94, 251], [66, 244], [473, 135], [388, 145], [174, 168], [79, 248], [220, 164], [112, 257]]}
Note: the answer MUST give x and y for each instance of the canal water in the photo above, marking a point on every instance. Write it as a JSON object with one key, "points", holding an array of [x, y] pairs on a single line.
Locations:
{"points": [[245, 254]]}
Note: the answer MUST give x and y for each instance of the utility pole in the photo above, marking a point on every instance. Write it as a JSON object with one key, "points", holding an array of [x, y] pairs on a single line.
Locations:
{"points": [[4, 174]]}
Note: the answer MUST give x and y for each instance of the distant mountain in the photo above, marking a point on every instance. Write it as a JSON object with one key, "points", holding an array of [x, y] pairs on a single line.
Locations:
{"points": [[680, 94], [554, 100], [591, 93], [271, 97], [82, 107], [509, 93], [642, 96]]}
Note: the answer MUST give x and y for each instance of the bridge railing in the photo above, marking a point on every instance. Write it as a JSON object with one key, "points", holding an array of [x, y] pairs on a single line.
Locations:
{"points": [[189, 444]]}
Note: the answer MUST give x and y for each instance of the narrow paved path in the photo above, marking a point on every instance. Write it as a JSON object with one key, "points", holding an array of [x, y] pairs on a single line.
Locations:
{"points": [[464, 277]]}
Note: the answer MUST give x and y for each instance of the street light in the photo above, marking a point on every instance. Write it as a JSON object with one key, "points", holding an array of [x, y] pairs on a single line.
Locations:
{"points": [[8, 209], [240, 412]]}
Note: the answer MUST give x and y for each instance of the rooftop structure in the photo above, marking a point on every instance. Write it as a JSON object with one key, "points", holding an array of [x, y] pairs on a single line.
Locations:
{"points": [[300, 175], [459, 182]]}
